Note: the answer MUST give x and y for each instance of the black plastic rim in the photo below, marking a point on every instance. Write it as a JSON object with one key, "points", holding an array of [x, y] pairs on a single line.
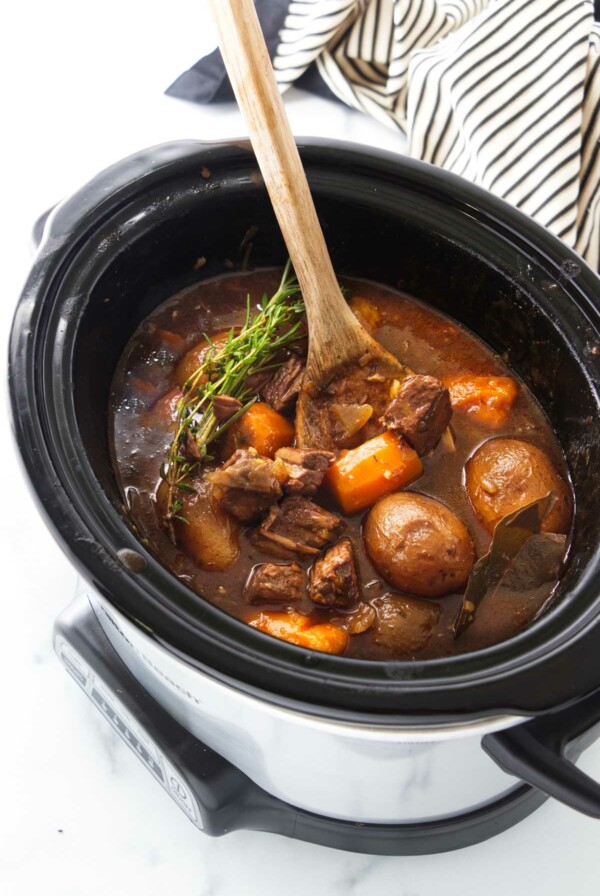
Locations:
{"points": [[548, 665]]}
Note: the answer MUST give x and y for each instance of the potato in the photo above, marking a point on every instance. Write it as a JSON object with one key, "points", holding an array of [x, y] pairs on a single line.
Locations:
{"points": [[193, 358], [404, 624], [505, 474], [163, 413], [156, 426], [210, 536], [418, 545]]}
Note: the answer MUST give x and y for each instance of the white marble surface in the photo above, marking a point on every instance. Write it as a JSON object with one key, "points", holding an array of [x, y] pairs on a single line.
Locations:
{"points": [[79, 816]]}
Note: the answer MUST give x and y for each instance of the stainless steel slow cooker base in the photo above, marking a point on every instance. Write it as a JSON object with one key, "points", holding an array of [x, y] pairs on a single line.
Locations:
{"points": [[215, 795], [372, 769]]}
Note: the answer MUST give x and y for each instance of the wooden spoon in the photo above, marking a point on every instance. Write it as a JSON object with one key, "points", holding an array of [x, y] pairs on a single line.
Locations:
{"points": [[345, 364]]}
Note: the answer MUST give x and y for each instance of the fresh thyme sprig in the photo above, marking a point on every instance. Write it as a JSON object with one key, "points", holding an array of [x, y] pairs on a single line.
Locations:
{"points": [[225, 371]]}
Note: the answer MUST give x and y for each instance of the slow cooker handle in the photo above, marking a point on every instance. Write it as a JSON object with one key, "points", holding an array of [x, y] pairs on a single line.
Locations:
{"points": [[542, 753]]}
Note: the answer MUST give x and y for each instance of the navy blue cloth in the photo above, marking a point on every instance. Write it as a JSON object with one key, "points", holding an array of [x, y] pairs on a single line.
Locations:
{"points": [[207, 81]]}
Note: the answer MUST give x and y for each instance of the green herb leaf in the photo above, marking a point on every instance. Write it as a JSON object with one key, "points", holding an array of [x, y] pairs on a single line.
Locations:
{"points": [[224, 371]]}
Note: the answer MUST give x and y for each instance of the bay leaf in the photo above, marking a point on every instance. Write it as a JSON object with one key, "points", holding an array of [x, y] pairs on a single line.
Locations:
{"points": [[537, 567]]}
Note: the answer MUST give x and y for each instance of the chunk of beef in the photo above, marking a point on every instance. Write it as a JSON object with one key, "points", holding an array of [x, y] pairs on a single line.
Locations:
{"points": [[283, 388], [270, 583], [257, 381], [306, 469], [346, 410], [248, 484], [300, 526], [420, 412], [333, 579]]}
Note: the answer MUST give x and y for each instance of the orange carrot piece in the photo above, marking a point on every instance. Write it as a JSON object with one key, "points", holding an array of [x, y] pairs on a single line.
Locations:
{"points": [[376, 468], [486, 399], [286, 626], [327, 637], [297, 629], [260, 427]]}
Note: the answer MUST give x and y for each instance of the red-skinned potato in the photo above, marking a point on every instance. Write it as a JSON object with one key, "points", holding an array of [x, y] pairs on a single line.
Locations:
{"points": [[209, 535], [418, 545], [194, 358], [506, 474], [163, 413], [404, 624]]}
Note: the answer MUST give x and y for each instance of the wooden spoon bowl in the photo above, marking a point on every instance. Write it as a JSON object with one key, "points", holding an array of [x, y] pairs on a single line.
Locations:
{"points": [[332, 396]]}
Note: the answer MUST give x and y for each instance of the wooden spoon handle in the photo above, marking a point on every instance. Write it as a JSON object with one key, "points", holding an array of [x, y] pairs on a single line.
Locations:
{"points": [[247, 62]]}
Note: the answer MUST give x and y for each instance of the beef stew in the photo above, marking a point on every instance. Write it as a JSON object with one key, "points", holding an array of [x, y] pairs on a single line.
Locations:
{"points": [[362, 546]]}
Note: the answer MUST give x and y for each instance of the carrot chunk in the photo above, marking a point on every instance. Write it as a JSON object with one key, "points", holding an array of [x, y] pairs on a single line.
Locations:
{"points": [[376, 468], [486, 399], [287, 626], [261, 428], [327, 638], [297, 629]]}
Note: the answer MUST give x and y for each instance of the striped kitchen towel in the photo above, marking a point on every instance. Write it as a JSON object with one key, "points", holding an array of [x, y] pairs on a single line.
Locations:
{"points": [[503, 92]]}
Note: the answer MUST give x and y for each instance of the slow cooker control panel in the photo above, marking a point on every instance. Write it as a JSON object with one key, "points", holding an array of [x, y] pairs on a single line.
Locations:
{"points": [[123, 722]]}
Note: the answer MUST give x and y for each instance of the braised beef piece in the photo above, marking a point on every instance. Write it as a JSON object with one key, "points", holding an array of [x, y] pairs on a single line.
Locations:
{"points": [[271, 583], [247, 484], [283, 388], [333, 579], [300, 526], [420, 412], [306, 469], [257, 381]]}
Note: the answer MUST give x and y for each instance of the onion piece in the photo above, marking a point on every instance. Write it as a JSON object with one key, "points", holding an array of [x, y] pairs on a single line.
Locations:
{"points": [[448, 440], [351, 417]]}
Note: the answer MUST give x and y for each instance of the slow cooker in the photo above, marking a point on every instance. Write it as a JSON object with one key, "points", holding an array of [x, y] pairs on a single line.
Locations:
{"points": [[383, 757]]}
